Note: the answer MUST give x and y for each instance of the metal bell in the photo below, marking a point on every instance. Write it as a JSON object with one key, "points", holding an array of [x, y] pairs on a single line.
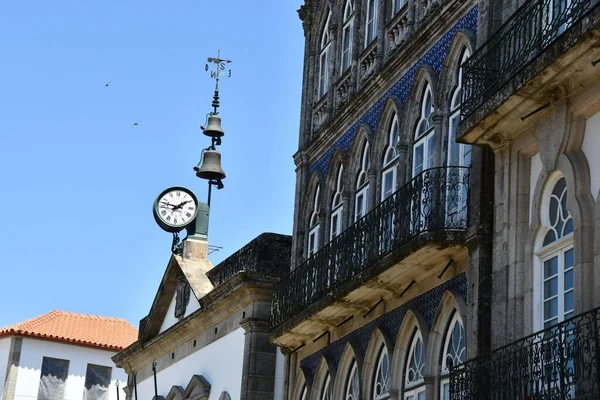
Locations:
{"points": [[211, 166], [213, 128]]}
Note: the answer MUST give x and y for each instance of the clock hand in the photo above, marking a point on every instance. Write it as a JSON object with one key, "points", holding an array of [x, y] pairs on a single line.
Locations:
{"points": [[181, 205]]}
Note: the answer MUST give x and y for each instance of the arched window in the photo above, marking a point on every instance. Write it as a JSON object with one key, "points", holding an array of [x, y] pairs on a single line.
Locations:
{"points": [[314, 225], [362, 185], [555, 299], [381, 384], [326, 393], [347, 35], [458, 154], [352, 384], [371, 22], [337, 206], [453, 353], [324, 60], [397, 5], [414, 388], [424, 134], [390, 161]]}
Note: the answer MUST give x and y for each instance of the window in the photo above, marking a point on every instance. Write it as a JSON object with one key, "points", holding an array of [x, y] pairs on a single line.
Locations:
{"points": [[347, 35], [53, 378], [324, 60], [182, 298], [453, 353], [414, 388], [459, 155], [390, 161], [381, 384], [397, 5], [352, 384], [97, 381], [326, 394], [362, 185], [314, 225], [557, 257], [424, 134], [337, 206], [371, 23]]}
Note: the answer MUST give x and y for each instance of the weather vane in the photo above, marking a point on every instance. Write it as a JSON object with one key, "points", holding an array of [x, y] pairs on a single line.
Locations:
{"points": [[218, 68]]}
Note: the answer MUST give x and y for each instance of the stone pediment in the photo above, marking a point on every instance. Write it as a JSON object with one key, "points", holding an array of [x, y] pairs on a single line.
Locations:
{"points": [[197, 389]]}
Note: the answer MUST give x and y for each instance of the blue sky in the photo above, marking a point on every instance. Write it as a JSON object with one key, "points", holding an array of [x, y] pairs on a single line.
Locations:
{"points": [[78, 182]]}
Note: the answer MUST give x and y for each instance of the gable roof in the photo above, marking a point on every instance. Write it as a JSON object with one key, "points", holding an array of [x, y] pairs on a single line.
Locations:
{"points": [[82, 329]]}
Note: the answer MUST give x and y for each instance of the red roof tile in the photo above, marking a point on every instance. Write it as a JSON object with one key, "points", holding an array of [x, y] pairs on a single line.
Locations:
{"points": [[83, 329]]}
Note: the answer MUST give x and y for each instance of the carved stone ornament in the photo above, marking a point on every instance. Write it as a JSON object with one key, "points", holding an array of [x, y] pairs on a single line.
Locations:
{"points": [[320, 116], [398, 33], [367, 64]]}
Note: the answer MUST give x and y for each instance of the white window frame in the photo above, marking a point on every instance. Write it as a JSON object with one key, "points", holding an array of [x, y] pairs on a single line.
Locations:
{"points": [[337, 206], [427, 137], [455, 105], [346, 61], [371, 22], [445, 371], [557, 248], [413, 388], [353, 383], [324, 60], [390, 159], [314, 225], [383, 353], [362, 184], [364, 193], [303, 393]]}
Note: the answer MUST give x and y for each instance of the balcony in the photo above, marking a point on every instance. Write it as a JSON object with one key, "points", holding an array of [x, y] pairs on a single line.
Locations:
{"points": [[431, 210], [562, 362], [540, 48]]}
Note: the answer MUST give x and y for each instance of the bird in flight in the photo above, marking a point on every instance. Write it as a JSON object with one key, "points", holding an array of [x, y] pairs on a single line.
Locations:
{"points": [[107, 83], [136, 124]]}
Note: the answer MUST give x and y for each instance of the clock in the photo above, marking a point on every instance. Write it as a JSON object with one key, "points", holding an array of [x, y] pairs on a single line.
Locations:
{"points": [[175, 208]]}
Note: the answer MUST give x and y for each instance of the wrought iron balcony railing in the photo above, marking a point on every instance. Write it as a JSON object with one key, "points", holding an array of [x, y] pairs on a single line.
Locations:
{"points": [[532, 28], [561, 362], [434, 200]]}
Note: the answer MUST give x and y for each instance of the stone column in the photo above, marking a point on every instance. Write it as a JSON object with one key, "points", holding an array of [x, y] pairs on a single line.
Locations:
{"points": [[480, 245], [258, 371], [373, 189], [347, 212]]}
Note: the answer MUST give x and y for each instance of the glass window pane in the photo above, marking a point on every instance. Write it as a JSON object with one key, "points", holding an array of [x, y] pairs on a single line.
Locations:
{"points": [[550, 267], [553, 211], [430, 147], [52, 380], [568, 280], [550, 288], [568, 227], [97, 380], [421, 396], [559, 187], [418, 154], [568, 301], [568, 258], [550, 308]]}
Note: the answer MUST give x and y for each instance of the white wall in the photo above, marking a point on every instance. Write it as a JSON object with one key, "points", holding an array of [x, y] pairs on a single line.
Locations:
{"points": [[170, 319], [591, 149], [220, 363], [534, 174], [34, 350], [4, 353], [279, 371]]}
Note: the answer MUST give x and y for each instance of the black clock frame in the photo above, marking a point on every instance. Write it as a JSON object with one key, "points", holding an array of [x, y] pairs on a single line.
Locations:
{"points": [[165, 226]]}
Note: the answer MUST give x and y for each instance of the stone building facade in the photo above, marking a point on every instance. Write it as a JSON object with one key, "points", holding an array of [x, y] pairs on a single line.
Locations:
{"points": [[445, 227]]}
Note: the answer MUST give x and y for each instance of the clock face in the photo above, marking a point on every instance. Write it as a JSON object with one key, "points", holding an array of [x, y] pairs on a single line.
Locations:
{"points": [[175, 208]]}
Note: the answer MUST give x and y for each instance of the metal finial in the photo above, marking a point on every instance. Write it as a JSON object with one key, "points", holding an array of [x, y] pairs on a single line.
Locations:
{"points": [[218, 69]]}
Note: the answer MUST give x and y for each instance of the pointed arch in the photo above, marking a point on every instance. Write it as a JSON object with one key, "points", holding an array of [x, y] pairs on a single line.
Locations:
{"points": [[447, 340], [413, 327], [314, 206], [347, 385], [371, 25], [324, 380], [302, 386], [375, 379], [323, 72]]}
